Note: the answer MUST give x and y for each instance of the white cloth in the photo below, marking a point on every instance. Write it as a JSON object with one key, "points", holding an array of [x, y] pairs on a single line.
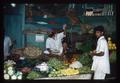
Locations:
{"points": [[51, 43], [101, 63], [99, 75], [7, 44], [58, 39], [55, 44]]}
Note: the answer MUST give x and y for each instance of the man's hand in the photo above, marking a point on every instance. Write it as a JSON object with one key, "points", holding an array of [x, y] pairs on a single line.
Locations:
{"points": [[92, 53]]}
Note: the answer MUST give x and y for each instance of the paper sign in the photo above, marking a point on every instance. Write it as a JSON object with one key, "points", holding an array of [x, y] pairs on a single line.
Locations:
{"points": [[39, 38]]}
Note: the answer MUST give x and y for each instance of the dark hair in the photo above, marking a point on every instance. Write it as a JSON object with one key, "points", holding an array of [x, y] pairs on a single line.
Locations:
{"points": [[51, 34], [99, 28]]}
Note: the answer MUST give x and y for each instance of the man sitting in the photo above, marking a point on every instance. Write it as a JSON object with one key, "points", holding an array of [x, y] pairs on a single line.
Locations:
{"points": [[54, 42]]}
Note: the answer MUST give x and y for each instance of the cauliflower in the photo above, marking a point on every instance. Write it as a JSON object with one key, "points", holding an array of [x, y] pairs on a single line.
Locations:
{"points": [[19, 77], [10, 72], [10, 68], [5, 71], [13, 77], [18, 73], [6, 76], [43, 66], [76, 64], [10, 62]]}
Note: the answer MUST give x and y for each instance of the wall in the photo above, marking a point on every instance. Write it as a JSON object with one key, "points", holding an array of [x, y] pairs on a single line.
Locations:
{"points": [[14, 23]]}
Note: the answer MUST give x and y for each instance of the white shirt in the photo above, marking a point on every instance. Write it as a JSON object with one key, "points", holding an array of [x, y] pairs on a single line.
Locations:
{"points": [[50, 43], [58, 39], [101, 62], [55, 44], [7, 44]]}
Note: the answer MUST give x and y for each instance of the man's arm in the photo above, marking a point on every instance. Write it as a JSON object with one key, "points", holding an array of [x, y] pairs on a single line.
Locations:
{"points": [[93, 53]]}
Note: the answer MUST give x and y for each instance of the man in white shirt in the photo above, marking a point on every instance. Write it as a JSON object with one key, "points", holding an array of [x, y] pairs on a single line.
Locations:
{"points": [[100, 65], [54, 42], [7, 44]]}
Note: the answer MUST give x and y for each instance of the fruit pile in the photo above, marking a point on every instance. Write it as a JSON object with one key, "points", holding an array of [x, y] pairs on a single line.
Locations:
{"points": [[111, 46], [64, 72]]}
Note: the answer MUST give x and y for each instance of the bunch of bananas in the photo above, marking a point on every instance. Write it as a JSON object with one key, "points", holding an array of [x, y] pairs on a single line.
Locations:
{"points": [[111, 46], [64, 72], [69, 71]]}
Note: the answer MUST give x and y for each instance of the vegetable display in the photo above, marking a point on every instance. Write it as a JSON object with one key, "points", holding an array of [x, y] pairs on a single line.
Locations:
{"points": [[85, 59], [33, 75], [85, 70], [76, 64], [9, 71], [56, 64], [64, 72], [113, 57], [32, 52]]}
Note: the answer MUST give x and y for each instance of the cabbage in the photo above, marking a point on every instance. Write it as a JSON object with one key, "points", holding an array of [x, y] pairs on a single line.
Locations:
{"points": [[6, 76], [5, 71], [10, 68], [19, 77], [10, 72], [13, 77]]}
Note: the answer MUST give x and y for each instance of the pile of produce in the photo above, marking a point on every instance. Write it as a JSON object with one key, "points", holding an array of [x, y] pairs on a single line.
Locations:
{"points": [[113, 57], [43, 67], [33, 75], [85, 59], [32, 52], [25, 70], [56, 63], [9, 71], [85, 70], [64, 72], [111, 46], [75, 64]]}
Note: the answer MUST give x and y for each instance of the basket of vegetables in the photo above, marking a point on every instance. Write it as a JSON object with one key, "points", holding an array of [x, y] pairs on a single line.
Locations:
{"points": [[32, 52]]}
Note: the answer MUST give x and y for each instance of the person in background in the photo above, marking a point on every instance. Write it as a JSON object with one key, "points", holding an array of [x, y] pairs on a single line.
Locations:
{"points": [[100, 65], [54, 42], [7, 45]]}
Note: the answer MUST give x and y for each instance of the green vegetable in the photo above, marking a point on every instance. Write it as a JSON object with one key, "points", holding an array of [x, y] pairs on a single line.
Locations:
{"points": [[113, 57], [84, 70], [56, 64], [85, 59], [33, 75]]}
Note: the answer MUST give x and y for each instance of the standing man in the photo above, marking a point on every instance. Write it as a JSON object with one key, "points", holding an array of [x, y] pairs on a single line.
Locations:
{"points": [[100, 65], [7, 45]]}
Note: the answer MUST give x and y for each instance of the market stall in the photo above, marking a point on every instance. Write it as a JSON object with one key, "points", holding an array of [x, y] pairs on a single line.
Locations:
{"points": [[27, 60]]}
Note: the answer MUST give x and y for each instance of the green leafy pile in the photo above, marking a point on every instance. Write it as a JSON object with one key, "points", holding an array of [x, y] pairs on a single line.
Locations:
{"points": [[33, 75], [56, 63], [85, 59], [113, 57], [85, 70]]}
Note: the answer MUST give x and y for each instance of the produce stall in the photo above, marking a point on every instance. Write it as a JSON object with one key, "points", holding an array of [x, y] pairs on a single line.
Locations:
{"points": [[27, 60], [53, 68]]}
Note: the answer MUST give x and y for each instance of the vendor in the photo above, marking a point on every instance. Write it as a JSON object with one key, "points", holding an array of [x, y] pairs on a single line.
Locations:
{"points": [[7, 45], [54, 42], [101, 65]]}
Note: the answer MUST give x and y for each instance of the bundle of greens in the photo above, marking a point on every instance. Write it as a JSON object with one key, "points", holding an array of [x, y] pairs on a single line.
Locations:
{"points": [[85, 59], [85, 70], [56, 64]]}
